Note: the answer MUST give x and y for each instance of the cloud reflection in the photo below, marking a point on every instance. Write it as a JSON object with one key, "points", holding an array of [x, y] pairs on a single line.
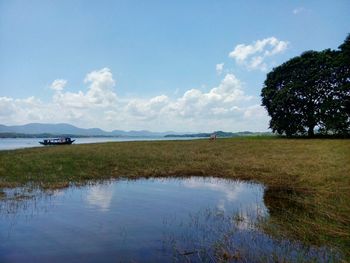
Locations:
{"points": [[230, 191], [100, 196]]}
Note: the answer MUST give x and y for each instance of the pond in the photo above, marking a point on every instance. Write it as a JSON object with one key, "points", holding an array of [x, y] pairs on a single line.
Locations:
{"points": [[146, 220]]}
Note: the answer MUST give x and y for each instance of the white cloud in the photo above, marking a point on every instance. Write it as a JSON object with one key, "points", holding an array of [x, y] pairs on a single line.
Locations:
{"points": [[254, 111], [21, 110], [100, 91], [258, 62], [229, 90], [82, 108], [58, 84], [101, 87], [215, 102], [219, 68], [7, 107], [253, 56], [298, 10], [223, 107], [147, 109]]}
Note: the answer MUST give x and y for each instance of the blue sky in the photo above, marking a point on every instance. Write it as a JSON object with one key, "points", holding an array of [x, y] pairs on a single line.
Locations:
{"points": [[153, 64]]}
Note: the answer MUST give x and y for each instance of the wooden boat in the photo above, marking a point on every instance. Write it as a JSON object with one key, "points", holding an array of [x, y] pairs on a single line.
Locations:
{"points": [[57, 141]]}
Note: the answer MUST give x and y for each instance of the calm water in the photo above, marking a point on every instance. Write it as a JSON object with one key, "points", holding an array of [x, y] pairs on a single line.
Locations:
{"points": [[18, 143], [146, 220]]}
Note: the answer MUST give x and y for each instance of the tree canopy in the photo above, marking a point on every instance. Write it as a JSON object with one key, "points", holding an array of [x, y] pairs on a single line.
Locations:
{"points": [[310, 91]]}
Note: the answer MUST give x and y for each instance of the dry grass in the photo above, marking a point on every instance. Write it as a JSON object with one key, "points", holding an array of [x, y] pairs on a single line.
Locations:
{"points": [[311, 177]]}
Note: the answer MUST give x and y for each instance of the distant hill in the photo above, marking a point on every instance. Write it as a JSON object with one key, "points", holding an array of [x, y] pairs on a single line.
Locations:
{"points": [[60, 128], [39, 129]]}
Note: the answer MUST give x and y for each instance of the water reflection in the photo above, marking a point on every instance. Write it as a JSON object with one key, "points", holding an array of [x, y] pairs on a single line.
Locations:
{"points": [[100, 196], [143, 220], [231, 192]]}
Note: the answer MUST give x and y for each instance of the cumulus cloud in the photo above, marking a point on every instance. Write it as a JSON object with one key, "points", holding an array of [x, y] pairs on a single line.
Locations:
{"points": [[7, 107], [219, 68], [21, 109], [219, 101], [58, 84], [225, 106], [253, 56], [100, 91], [80, 107], [101, 87], [147, 109]]}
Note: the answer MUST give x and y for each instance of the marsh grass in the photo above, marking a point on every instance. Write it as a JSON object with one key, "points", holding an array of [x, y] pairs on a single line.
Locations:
{"points": [[307, 181], [212, 235]]}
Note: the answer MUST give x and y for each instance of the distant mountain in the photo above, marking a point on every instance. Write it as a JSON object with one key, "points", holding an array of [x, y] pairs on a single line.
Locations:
{"points": [[36, 129], [60, 128], [64, 129]]}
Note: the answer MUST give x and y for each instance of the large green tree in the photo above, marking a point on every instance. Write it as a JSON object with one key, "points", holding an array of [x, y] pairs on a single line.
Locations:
{"points": [[309, 91]]}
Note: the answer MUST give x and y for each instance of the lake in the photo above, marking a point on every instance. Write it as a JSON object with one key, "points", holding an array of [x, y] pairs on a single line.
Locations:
{"points": [[145, 220], [19, 143]]}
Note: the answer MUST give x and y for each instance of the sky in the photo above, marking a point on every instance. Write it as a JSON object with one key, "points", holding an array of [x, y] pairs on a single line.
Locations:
{"points": [[185, 66]]}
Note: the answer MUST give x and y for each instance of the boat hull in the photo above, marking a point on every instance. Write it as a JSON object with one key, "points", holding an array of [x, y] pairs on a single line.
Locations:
{"points": [[57, 142]]}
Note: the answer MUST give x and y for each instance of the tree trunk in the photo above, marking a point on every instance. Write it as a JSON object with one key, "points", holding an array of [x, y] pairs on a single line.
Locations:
{"points": [[310, 131]]}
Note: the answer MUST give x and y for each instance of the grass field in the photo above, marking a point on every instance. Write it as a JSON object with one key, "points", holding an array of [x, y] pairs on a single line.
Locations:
{"points": [[307, 181]]}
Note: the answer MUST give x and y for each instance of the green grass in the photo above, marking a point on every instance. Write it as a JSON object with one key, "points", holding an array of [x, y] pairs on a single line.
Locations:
{"points": [[308, 181]]}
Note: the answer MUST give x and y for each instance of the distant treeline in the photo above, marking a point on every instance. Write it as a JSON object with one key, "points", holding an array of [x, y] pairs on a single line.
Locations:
{"points": [[220, 134]]}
